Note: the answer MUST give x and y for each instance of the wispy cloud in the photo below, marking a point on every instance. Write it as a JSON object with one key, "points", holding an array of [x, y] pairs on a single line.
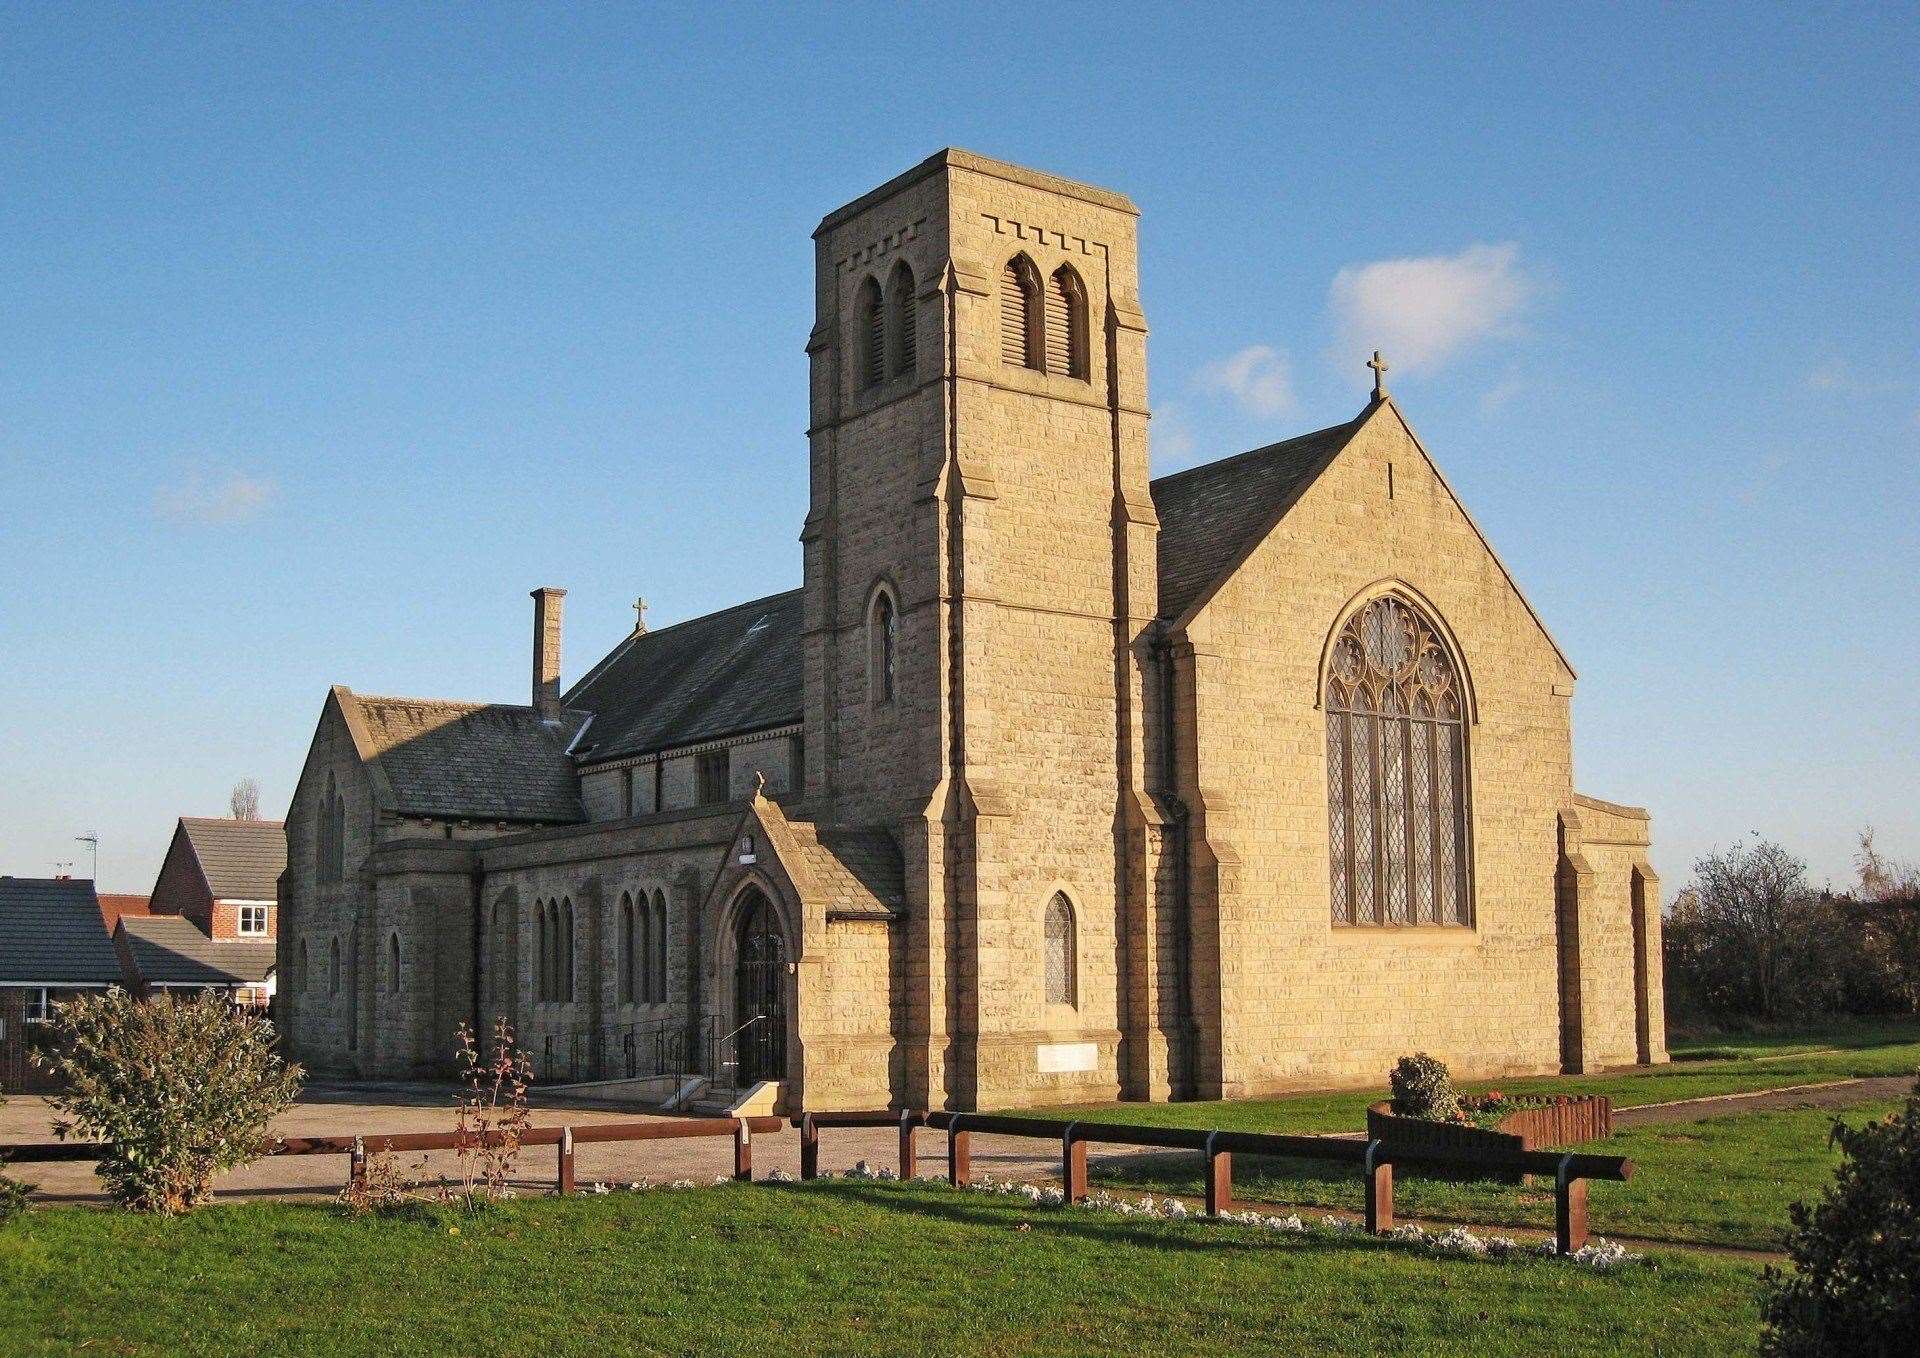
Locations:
{"points": [[1258, 377], [1422, 312], [203, 499]]}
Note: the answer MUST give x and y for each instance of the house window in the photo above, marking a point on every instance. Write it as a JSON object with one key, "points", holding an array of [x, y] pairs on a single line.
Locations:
{"points": [[1066, 324], [883, 641], [713, 771], [253, 920], [1396, 772], [1020, 340], [902, 341], [1062, 981], [37, 1005], [871, 320]]}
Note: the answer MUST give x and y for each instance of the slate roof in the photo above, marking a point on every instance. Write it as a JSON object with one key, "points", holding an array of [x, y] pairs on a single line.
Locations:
{"points": [[51, 932], [483, 761], [242, 859], [171, 948], [858, 872], [728, 672], [1211, 515]]}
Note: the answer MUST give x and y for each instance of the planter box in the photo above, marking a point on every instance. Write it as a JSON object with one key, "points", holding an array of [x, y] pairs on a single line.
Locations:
{"points": [[1567, 1121]]}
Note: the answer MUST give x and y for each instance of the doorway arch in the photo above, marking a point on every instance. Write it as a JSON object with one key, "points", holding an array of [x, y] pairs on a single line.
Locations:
{"points": [[759, 990]]}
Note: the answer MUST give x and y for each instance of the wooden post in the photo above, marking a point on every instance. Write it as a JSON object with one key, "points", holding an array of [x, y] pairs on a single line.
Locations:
{"points": [[1073, 1164], [357, 1163], [1569, 1209], [1379, 1171], [566, 1159], [742, 1151], [909, 1148], [959, 1156], [1219, 1179], [809, 1147]]}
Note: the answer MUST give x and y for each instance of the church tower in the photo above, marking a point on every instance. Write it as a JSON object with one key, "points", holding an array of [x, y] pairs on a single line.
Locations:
{"points": [[980, 589]]}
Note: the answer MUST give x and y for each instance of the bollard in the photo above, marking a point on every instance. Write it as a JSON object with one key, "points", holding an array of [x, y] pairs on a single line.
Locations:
{"points": [[742, 1151], [1569, 1208], [566, 1159], [959, 1155], [1219, 1178], [1379, 1171], [1073, 1164], [809, 1148], [909, 1150]]}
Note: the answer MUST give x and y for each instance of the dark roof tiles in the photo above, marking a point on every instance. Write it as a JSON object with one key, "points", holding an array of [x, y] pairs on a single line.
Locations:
{"points": [[171, 949], [242, 859], [51, 933], [479, 761]]}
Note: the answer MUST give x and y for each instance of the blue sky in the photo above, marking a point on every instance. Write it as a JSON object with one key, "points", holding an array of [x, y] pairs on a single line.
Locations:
{"points": [[326, 332]]}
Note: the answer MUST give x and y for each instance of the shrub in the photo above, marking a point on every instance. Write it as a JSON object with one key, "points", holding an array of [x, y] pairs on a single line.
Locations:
{"points": [[1855, 1287], [176, 1090], [1422, 1088]]}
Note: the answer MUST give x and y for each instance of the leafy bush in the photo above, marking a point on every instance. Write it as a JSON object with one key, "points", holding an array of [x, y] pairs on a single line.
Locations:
{"points": [[176, 1090], [1855, 1287], [1422, 1088]]}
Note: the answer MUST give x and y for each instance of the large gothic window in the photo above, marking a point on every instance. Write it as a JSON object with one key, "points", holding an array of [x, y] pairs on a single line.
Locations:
{"points": [[1396, 772]]}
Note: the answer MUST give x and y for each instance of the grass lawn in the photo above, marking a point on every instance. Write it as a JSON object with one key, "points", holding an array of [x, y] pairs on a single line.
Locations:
{"points": [[836, 1267], [1883, 1049], [1722, 1181]]}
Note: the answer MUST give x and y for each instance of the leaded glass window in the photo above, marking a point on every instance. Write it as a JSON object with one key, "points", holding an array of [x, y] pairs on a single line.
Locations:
{"points": [[1061, 981], [1396, 772]]}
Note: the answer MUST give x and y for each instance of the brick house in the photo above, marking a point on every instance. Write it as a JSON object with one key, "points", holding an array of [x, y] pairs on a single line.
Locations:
{"points": [[211, 919], [1052, 782], [53, 946]]}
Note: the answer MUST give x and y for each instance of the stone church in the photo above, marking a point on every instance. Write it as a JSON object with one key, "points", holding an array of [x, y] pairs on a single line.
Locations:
{"points": [[1051, 783]]}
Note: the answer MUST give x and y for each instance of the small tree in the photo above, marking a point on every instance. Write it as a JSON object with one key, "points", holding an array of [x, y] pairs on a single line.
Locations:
{"points": [[177, 1091], [1887, 905], [1855, 1288], [1423, 1088], [244, 801]]}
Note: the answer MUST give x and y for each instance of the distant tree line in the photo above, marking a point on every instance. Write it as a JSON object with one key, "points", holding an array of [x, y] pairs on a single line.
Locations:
{"points": [[1751, 939]]}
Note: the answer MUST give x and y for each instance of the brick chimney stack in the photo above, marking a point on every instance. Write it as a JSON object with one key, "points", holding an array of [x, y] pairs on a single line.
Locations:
{"points": [[548, 604]]}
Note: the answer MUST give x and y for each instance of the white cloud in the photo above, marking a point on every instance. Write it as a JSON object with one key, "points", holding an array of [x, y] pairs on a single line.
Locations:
{"points": [[208, 499], [1258, 377], [1421, 312]]}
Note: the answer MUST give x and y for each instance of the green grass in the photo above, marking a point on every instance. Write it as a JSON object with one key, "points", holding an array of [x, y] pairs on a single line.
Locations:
{"points": [[1844, 1033], [838, 1267], [1721, 1181]]}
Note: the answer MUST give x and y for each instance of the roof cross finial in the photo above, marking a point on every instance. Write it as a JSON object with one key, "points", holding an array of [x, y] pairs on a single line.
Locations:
{"points": [[1379, 366], [639, 617]]}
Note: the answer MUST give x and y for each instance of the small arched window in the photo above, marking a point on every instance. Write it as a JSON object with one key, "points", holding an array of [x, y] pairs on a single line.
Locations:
{"points": [[1066, 324], [660, 946], [903, 339], [393, 963], [1396, 772], [566, 952], [542, 973], [1062, 978], [870, 338], [883, 644], [333, 966], [1020, 339], [626, 948]]}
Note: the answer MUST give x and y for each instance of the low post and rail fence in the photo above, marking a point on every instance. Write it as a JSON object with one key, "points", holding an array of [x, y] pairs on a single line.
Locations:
{"points": [[1571, 1171]]}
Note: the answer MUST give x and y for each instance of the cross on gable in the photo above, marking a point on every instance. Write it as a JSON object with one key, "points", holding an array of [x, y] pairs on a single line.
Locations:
{"points": [[639, 616], [1379, 366]]}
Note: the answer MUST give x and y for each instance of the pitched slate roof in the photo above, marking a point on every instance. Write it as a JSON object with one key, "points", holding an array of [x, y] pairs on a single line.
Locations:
{"points": [[242, 859], [51, 932], [170, 948], [481, 761], [859, 873], [1210, 516], [732, 671]]}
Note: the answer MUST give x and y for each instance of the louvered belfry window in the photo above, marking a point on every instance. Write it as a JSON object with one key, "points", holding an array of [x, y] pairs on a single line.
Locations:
{"points": [[1396, 772], [1066, 324], [872, 335], [903, 348], [1019, 340]]}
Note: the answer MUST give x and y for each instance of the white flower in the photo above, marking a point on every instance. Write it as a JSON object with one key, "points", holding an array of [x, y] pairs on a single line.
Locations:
{"points": [[779, 1176], [1176, 1210]]}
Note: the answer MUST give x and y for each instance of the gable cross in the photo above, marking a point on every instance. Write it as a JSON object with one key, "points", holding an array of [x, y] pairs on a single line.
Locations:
{"points": [[639, 617], [1379, 366]]}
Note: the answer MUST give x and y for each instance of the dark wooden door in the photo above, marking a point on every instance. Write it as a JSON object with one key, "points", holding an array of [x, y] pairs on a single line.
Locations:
{"points": [[760, 990]]}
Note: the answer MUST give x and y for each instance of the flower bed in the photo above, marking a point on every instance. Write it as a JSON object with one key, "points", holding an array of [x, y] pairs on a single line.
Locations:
{"points": [[1491, 1122]]}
